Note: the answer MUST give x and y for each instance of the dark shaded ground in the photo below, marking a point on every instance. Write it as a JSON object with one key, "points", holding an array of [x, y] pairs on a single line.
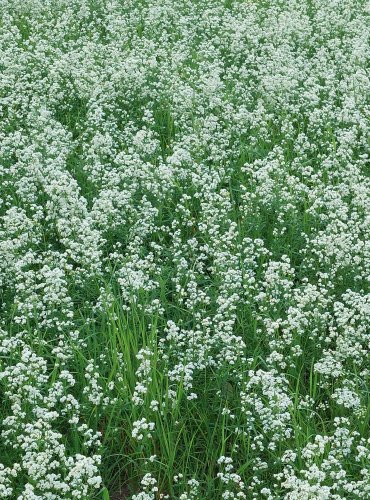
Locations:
{"points": [[123, 494]]}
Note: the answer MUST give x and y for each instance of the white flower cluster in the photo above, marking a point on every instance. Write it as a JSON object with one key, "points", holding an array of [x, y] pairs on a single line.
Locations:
{"points": [[142, 428], [323, 474], [149, 488], [43, 465], [230, 479]]}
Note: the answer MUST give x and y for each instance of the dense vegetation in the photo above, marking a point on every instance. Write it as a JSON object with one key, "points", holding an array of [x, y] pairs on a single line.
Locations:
{"points": [[184, 249]]}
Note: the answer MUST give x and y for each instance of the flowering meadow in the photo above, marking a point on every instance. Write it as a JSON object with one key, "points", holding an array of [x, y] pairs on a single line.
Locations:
{"points": [[184, 249]]}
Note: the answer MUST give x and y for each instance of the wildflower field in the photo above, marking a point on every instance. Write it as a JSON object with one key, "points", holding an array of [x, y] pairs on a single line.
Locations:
{"points": [[184, 249]]}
